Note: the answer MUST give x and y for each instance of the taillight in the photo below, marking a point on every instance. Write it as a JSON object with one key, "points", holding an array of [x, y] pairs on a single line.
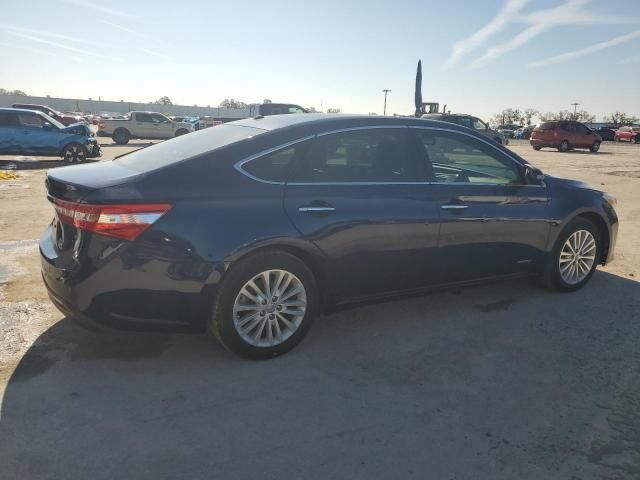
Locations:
{"points": [[125, 221]]}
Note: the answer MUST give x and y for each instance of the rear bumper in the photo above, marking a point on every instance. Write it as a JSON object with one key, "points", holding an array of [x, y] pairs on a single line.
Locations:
{"points": [[536, 142]]}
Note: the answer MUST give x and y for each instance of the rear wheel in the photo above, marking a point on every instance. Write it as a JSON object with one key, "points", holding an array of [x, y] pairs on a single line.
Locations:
{"points": [[574, 257], [595, 147], [121, 136], [265, 306], [74, 153], [564, 146]]}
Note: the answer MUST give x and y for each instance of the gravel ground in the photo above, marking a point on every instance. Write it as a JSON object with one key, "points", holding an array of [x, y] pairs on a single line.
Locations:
{"points": [[503, 381]]}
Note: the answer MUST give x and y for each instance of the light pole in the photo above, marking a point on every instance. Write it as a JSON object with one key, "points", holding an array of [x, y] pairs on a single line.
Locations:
{"points": [[575, 110], [385, 91]]}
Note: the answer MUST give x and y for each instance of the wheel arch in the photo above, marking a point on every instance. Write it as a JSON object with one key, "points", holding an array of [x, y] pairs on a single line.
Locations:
{"points": [[603, 232]]}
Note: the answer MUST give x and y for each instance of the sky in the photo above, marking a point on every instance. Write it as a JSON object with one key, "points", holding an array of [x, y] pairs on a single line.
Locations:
{"points": [[478, 57]]}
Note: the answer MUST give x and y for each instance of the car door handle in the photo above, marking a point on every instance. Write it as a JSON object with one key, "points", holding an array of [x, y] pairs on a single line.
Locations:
{"points": [[454, 206], [316, 209]]}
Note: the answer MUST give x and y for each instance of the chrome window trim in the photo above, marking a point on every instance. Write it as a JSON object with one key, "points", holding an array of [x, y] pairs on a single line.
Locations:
{"points": [[238, 165]]}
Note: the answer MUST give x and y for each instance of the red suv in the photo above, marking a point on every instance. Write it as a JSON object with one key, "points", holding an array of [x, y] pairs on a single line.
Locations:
{"points": [[564, 135], [63, 118], [628, 134]]}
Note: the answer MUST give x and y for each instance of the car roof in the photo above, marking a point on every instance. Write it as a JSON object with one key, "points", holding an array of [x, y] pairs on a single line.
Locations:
{"points": [[325, 120], [18, 110]]}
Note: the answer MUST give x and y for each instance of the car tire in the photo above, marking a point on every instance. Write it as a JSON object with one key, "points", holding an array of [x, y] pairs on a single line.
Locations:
{"points": [[181, 131], [75, 153], [556, 275], [249, 326], [121, 136], [595, 147], [537, 149], [564, 146]]}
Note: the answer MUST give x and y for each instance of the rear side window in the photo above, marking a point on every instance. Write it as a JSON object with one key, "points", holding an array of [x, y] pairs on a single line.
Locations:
{"points": [[187, 146], [8, 120], [547, 126], [375, 155], [273, 167]]}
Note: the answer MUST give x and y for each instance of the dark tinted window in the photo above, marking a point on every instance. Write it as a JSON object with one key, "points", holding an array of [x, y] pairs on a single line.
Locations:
{"points": [[579, 128], [547, 126], [143, 117], [274, 166], [566, 127], [375, 155], [464, 121], [458, 158], [8, 120], [186, 146]]}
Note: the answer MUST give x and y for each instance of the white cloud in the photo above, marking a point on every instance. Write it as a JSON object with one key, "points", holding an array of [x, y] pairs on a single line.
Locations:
{"points": [[156, 54], [60, 36], [571, 12], [509, 11], [61, 46], [124, 29], [565, 57], [99, 8], [629, 60]]}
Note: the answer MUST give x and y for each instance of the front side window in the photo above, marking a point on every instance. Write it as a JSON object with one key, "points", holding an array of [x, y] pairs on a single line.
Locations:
{"points": [[143, 117], [457, 158], [581, 128], [479, 124], [373, 155], [464, 121], [35, 121], [156, 118]]}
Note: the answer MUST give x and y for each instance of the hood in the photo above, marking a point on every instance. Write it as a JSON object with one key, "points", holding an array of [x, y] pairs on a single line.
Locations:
{"points": [[77, 128], [185, 124]]}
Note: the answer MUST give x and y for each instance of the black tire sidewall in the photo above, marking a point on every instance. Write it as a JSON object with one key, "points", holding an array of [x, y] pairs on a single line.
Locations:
{"points": [[121, 136], [221, 321], [595, 149], [553, 269], [564, 149]]}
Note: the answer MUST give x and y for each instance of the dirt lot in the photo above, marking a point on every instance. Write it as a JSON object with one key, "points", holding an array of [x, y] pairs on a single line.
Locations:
{"points": [[504, 382]]}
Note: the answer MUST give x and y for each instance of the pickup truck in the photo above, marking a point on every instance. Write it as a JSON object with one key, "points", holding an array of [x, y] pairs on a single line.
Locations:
{"points": [[142, 125]]}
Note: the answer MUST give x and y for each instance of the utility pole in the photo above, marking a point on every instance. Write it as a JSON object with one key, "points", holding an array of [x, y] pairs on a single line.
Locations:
{"points": [[385, 91], [575, 110]]}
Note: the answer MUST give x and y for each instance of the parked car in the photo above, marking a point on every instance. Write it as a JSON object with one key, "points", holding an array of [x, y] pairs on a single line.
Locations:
{"points": [[60, 117], [32, 132], [253, 227], [607, 134], [508, 130], [471, 122], [523, 133], [627, 134], [142, 125], [564, 135]]}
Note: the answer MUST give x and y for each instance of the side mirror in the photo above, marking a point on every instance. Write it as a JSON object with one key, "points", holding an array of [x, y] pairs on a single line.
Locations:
{"points": [[47, 126], [533, 175]]}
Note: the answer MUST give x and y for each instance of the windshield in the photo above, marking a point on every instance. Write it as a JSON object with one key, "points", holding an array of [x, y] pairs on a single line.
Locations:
{"points": [[187, 146]]}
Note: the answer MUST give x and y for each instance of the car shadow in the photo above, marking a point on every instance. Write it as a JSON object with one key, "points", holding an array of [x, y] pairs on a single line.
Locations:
{"points": [[491, 380], [37, 164]]}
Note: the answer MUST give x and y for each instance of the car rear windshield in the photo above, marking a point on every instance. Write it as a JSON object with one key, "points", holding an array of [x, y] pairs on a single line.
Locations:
{"points": [[186, 146], [548, 126]]}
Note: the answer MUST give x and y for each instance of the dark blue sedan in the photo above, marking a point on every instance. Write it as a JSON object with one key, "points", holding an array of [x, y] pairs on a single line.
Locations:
{"points": [[35, 133], [253, 227]]}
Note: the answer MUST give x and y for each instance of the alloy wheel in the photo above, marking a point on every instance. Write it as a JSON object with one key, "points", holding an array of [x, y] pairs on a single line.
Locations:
{"points": [[74, 154], [577, 257], [269, 308]]}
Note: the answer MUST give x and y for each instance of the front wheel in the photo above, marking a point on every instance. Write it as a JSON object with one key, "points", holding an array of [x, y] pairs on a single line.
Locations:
{"points": [[74, 153], [182, 131], [595, 147], [574, 258], [537, 149], [265, 306], [121, 136]]}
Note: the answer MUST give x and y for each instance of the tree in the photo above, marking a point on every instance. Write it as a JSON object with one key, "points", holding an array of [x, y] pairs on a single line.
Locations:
{"points": [[508, 116], [529, 113], [163, 101], [620, 119], [579, 116], [312, 110], [266, 100], [19, 93], [333, 110], [231, 104]]}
